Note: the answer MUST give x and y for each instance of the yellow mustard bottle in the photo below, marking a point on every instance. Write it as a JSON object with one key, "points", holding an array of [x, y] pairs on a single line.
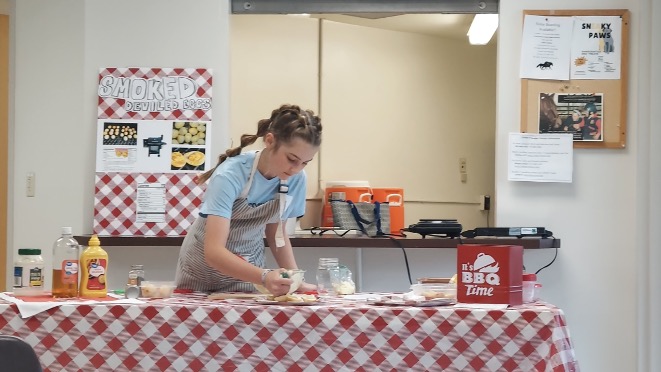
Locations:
{"points": [[93, 270]]}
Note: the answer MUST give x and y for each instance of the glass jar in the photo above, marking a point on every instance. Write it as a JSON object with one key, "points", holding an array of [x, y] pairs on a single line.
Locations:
{"points": [[327, 273]]}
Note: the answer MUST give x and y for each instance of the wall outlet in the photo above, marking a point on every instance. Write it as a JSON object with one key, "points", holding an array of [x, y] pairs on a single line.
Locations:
{"points": [[30, 184], [485, 202]]}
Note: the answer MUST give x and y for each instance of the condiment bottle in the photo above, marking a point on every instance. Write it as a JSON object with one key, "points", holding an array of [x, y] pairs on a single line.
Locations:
{"points": [[29, 273], [93, 270], [65, 265]]}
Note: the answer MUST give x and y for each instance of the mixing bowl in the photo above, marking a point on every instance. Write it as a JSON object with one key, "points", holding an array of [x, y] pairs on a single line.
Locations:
{"points": [[295, 275]]}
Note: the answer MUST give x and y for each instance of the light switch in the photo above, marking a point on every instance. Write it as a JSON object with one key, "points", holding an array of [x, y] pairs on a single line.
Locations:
{"points": [[30, 184]]}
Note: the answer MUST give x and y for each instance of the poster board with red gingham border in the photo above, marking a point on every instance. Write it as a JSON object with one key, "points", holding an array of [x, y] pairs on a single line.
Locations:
{"points": [[115, 192]]}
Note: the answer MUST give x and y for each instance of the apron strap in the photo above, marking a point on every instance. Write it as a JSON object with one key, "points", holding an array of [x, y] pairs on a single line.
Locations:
{"points": [[281, 193], [246, 188], [283, 189]]}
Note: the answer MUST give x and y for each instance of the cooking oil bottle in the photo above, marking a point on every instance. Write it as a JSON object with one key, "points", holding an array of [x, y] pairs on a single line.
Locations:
{"points": [[93, 270], [65, 265]]}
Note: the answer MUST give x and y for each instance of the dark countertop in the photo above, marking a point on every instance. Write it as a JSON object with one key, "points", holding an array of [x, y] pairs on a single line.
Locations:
{"points": [[334, 241]]}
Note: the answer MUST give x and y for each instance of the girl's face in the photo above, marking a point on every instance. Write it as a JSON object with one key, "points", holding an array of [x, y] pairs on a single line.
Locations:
{"points": [[290, 158]]}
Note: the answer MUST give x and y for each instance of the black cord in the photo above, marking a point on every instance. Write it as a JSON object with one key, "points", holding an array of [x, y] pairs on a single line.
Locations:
{"points": [[406, 259], [321, 230], [488, 210], [552, 261]]}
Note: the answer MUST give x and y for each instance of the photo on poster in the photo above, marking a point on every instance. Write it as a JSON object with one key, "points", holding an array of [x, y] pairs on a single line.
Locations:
{"points": [[189, 133], [120, 134], [147, 146], [578, 114], [188, 159]]}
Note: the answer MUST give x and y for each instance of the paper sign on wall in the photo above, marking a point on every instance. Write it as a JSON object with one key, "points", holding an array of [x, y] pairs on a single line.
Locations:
{"points": [[540, 157], [152, 137]]}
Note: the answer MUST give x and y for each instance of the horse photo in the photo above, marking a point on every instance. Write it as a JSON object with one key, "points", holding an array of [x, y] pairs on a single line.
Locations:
{"points": [[548, 113], [545, 65]]}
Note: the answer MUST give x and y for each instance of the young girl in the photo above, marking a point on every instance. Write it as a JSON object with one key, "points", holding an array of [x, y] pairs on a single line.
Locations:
{"points": [[249, 195]]}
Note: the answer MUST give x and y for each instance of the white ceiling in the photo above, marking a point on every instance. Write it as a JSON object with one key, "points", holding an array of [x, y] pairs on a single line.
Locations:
{"points": [[454, 26]]}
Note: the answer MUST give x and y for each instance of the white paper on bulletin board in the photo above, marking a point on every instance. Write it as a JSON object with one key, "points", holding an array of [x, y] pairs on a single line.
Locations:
{"points": [[544, 49], [540, 157], [596, 48]]}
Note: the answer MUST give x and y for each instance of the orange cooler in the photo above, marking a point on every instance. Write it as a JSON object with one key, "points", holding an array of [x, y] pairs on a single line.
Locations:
{"points": [[395, 199], [354, 193]]}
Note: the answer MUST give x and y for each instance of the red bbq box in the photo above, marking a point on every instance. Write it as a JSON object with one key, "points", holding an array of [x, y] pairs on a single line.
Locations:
{"points": [[489, 274]]}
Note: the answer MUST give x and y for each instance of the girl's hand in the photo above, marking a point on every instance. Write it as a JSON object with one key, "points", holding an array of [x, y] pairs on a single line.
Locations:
{"points": [[276, 284]]}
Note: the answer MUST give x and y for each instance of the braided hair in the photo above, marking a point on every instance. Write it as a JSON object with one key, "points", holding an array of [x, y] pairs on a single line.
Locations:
{"points": [[286, 123]]}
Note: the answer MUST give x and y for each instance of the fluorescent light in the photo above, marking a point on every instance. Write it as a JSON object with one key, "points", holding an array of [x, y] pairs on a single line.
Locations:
{"points": [[482, 28]]}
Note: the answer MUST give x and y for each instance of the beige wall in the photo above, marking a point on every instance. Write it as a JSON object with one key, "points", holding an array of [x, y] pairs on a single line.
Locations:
{"points": [[272, 62], [398, 109]]}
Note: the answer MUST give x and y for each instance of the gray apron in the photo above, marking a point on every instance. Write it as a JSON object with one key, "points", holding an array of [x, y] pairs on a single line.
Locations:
{"points": [[246, 239]]}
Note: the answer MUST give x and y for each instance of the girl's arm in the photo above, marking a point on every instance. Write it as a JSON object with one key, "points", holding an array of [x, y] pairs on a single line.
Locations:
{"points": [[284, 256], [220, 258]]}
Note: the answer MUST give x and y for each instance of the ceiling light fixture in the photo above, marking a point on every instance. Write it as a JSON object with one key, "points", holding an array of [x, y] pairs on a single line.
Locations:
{"points": [[482, 28]]}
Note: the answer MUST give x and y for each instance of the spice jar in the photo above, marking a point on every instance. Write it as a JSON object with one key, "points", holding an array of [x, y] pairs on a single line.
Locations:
{"points": [[136, 275]]}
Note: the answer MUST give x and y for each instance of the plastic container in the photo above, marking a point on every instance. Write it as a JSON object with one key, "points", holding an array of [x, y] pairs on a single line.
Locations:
{"points": [[328, 272], [29, 273], [435, 290], [94, 270], [538, 292], [428, 280], [529, 281], [343, 283], [155, 289], [66, 254]]}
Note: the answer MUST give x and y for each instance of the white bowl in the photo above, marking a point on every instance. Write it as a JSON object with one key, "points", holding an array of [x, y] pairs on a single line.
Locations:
{"points": [[295, 275]]}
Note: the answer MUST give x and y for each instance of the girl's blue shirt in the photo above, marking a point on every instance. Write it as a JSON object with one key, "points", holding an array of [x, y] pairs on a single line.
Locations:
{"points": [[228, 180]]}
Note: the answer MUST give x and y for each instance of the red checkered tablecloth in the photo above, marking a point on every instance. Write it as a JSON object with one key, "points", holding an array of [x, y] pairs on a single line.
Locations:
{"points": [[190, 333]]}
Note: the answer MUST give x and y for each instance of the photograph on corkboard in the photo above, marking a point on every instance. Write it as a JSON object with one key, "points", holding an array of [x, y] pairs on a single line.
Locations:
{"points": [[578, 114]]}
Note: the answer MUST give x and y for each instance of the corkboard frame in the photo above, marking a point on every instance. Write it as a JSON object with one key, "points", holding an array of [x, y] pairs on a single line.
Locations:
{"points": [[615, 91]]}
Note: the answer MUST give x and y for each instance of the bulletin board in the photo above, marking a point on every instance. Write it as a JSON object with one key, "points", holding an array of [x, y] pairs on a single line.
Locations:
{"points": [[614, 91]]}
